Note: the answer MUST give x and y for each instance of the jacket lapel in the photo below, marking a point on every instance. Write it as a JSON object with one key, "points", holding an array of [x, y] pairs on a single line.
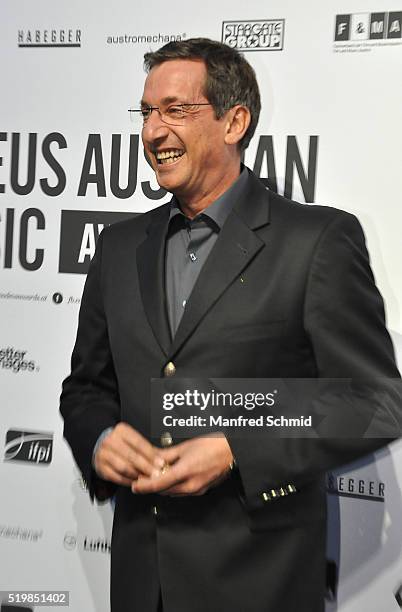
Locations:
{"points": [[235, 248], [151, 274]]}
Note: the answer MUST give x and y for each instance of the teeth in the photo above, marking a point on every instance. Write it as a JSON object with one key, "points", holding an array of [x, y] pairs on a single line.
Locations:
{"points": [[168, 156]]}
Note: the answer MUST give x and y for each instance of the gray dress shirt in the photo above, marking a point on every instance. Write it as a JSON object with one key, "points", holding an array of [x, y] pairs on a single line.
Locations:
{"points": [[188, 244]]}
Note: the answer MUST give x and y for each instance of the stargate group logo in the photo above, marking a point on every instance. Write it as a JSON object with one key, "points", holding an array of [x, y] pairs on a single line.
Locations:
{"points": [[258, 35]]}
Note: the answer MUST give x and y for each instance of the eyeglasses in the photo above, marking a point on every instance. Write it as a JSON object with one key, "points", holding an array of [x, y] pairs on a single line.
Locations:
{"points": [[173, 114]]}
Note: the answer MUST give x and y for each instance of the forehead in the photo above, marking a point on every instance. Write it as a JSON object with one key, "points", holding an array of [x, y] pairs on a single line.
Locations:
{"points": [[175, 79]]}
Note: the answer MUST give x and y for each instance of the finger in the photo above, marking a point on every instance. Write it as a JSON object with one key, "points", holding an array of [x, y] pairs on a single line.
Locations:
{"points": [[108, 460], [138, 443], [142, 465], [171, 454], [113, 476], [160, 482], [127, 443], [187, 488], [196, 485]]}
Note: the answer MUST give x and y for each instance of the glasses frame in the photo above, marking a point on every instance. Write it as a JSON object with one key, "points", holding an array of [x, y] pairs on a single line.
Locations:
{"points": [[162, 113]]}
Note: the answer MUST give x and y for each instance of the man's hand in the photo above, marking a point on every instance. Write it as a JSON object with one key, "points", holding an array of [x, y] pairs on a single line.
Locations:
{"points": [[192, 467], [125, 454]]}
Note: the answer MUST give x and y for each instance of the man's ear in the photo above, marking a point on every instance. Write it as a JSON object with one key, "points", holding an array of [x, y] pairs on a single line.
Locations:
{"points": [[237, 122]]}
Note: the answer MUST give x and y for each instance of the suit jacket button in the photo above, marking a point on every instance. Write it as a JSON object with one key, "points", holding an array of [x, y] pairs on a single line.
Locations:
{"points": [[166, 439], [154, 510], [169, 369]]}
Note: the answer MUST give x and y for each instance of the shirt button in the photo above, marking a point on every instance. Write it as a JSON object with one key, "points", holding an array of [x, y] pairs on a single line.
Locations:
{"points": [[154, 510], [169, 369]]}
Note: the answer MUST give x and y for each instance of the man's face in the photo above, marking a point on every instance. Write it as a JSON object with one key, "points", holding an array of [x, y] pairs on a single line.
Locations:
{"points": [[199, 143]]}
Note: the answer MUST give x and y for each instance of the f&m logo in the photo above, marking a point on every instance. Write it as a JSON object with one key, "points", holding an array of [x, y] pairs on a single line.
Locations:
{"points": [[29, 446], [368, 26]]}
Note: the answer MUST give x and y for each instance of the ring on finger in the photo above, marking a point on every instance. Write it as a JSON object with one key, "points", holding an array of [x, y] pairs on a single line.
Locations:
{"points": [[165, 467]]}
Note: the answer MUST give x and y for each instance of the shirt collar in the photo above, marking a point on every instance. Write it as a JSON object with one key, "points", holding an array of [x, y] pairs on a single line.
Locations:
{"points": [[219, 210]]}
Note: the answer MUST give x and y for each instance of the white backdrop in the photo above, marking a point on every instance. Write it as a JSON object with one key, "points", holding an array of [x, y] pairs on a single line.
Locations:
{"points": [[329, 133]]}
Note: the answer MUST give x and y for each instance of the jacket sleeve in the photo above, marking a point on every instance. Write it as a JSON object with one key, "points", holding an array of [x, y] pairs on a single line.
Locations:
{"points": [[89, 401], [345, 323]]}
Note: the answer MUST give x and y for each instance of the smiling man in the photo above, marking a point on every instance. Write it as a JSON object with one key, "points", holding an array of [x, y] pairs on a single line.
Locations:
{"points": [[227, 280], [191, 150]]}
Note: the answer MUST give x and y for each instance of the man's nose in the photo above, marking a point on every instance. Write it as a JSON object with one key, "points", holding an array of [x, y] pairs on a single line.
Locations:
{"points": [[154, 128]]}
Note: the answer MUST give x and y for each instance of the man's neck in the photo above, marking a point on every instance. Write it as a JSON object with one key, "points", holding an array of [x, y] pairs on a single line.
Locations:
{"points": [[193, 206]]}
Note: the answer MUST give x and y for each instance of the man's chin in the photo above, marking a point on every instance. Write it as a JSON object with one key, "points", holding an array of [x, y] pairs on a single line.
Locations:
{"points": [[169, 181]]}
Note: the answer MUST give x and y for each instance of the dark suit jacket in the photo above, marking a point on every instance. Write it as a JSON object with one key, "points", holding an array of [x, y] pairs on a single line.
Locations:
{"points": [[306, 307]]}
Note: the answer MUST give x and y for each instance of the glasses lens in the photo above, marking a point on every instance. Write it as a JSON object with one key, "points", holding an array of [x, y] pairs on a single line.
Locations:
{"points": [[136, 117], [173, 115]]}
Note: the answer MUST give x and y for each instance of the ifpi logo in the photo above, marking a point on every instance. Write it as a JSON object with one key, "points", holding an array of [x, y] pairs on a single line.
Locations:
{"points": [[29, 446]]}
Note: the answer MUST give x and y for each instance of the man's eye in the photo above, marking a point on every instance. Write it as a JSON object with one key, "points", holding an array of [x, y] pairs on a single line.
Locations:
{"points": [[175, 111], [145, 113]]}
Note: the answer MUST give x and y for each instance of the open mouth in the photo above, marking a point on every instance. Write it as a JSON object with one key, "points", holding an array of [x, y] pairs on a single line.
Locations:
{"points": [[165, 158]]}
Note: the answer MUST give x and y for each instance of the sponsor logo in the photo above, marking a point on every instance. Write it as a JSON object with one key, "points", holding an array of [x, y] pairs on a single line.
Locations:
{"points": [[97, 545], [22, 534], [80, 230], [16, 361], [258, 35], [137, 39], [358, 488], [35, 37], [365, 31], [29, 446], [87, 543]]}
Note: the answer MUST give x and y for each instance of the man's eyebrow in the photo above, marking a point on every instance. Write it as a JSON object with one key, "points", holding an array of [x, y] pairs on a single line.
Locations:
{"points": [[164, 101]]}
